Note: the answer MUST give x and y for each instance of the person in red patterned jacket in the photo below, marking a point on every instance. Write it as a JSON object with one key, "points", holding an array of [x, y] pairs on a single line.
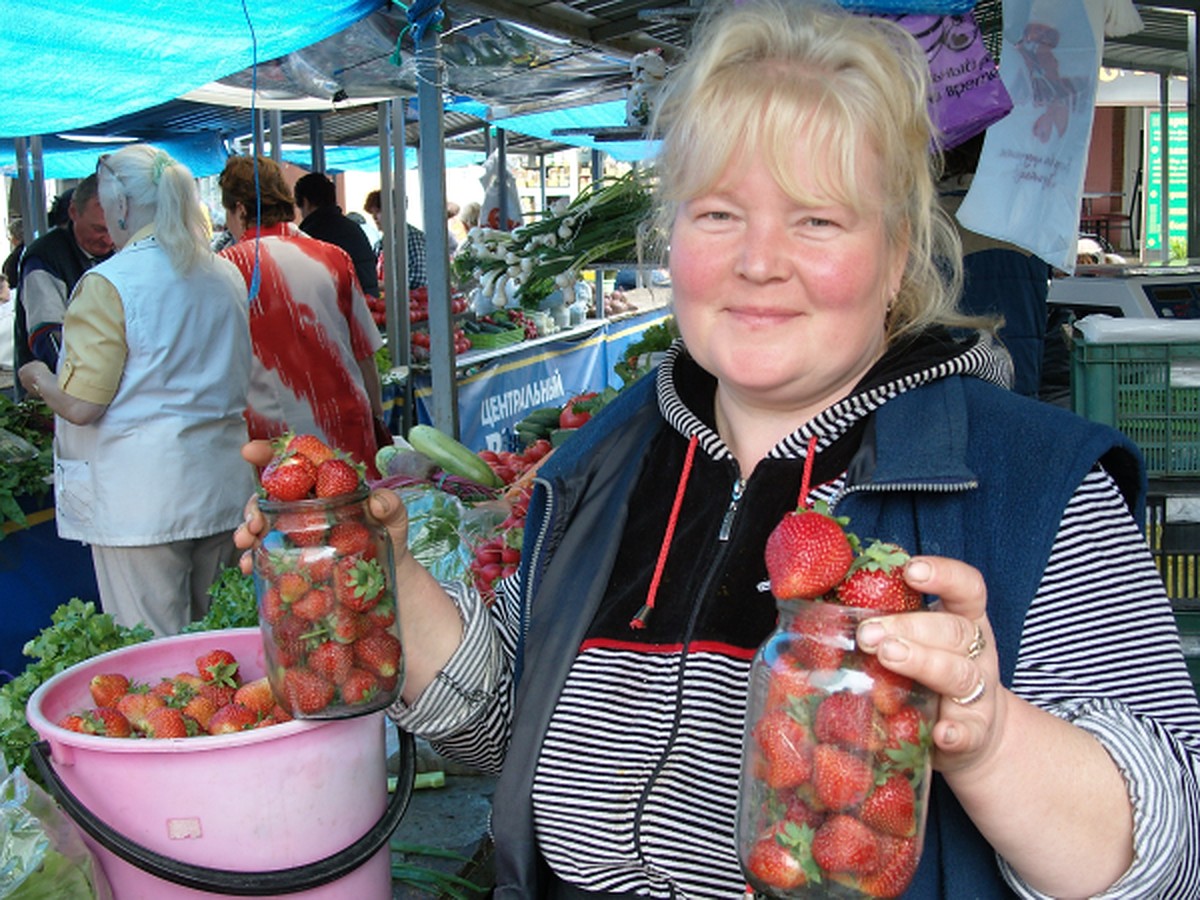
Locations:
{"points": [[313, 335]]}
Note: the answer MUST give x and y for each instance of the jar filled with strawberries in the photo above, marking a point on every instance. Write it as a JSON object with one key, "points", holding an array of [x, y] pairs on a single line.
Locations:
{"points": [[324, 580], [836, 761]]}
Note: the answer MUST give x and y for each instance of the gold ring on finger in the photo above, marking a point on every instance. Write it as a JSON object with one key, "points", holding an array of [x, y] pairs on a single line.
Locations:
{"points": [[978, 643], [976, 693]]}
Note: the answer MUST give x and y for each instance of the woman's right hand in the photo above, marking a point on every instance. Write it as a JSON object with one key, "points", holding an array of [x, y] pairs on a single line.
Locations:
{"points": [[384, 506]]}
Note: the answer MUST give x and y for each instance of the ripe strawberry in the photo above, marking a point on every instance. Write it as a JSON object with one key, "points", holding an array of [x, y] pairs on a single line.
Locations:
{"points": [[891, 807], [782, 860], [309, 446], [218, 667], [841, 780], [336, 477], [166, 722], [256, 696], [807, 554], [358, 583], [304, 527], [74, 722], [889, 690], [876, 581], [898, 863], [844, 844], [292, 586], [316, 603], [306, 691], [189, 679], [332, 661], [317, 562], [271, 606], [108, 721], [849, 720], [822, 636], [231, 718], [136, 707], [166, 688], [787, 682], [219, 694], [351, 539], [346, 626], [200, 709], [359, 686], [908, 739], [107, 688], [787, 750], [378, 652], [381, 616], [288, 478]]}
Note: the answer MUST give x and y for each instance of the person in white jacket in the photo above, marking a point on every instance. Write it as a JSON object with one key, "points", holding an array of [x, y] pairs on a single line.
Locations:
{"points": [[149, 399]]}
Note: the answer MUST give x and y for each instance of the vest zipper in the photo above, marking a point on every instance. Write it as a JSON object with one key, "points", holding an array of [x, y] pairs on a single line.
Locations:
{"points": [[739, 487]]}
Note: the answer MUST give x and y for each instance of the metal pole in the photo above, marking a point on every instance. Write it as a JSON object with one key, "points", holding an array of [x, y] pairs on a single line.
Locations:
{"points": [[1164, 169], [39, 184], [398, 159], [502, 179], [276, 118], [432, 165], [316, 142], [1193, 144], [25, 195]]}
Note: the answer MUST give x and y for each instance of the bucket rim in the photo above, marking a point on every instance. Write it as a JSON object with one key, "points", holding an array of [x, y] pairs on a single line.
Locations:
{"points": [[49, 730]]}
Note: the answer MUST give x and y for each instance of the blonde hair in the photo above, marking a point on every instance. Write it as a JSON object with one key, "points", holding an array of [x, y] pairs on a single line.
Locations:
{"points": [[767, 76], [165, 191]]}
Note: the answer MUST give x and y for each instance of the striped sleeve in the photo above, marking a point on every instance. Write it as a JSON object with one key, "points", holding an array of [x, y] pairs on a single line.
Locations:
{"points": [[465, 711], [1101, 649]]}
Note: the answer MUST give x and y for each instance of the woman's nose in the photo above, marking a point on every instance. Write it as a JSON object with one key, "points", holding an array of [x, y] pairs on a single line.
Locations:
{"points": [[763, 254]]}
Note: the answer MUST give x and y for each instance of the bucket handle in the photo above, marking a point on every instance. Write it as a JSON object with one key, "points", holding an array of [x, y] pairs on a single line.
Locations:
{"points": [[232, 883]]}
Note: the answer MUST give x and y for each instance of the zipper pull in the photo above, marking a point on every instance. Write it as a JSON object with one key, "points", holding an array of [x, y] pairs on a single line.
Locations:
{"points": [[727, 521]]}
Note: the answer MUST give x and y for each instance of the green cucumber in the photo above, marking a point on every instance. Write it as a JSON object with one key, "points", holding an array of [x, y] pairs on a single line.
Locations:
{"points": [[546, 416], [453, 457]]}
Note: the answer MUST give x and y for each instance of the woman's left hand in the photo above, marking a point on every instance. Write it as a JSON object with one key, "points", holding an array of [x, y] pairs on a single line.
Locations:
{"points": [[29, 375], [951, 650]]}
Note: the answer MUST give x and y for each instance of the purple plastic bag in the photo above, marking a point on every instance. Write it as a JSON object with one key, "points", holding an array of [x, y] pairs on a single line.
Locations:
{"points": [[967, 94]]}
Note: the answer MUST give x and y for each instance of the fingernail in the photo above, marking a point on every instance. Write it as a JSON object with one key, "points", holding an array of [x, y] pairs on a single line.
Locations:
{"points": [[893, 650], [870, 633], [919, 570]]}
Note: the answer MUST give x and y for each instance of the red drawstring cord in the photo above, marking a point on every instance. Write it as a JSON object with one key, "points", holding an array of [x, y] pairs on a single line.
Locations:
{"points": [[802, 502], [639, 621]]}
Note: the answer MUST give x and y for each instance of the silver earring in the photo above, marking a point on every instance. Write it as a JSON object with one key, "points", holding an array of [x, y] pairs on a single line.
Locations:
{"points": [[121, 224]]}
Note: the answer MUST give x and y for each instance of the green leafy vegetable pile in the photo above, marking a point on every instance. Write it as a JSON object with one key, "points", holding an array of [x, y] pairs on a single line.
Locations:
{"points": [[23, 474]]}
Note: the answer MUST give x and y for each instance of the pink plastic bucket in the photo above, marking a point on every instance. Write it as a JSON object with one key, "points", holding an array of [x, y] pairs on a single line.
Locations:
{"points": [[292, 810]]}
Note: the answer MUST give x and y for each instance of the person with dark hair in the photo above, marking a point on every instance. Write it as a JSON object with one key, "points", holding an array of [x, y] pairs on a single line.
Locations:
{"points": [[322, 218], [414, 240], [999, 278], [313, 335], [150, 395], [50, 267]]}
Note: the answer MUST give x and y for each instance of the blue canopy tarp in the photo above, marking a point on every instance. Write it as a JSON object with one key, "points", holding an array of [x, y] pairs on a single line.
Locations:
{"points": [[70, 63]]}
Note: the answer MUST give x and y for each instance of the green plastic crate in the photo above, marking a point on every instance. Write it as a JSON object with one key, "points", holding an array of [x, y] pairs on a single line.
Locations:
{"points": [[1130, 387]]}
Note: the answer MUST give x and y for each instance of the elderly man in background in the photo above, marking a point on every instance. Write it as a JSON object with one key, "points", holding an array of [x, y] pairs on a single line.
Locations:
{"points": [[50, 267]]}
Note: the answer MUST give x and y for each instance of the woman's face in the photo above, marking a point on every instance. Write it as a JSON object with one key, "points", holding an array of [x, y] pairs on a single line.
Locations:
{"points": [[784, 303]]}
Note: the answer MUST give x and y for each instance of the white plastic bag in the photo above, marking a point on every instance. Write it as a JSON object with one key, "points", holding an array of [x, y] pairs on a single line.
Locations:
{"points": [[1029, 183], [490, 214]]}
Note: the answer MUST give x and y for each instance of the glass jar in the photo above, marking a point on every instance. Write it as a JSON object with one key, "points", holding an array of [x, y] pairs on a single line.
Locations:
{"points": [[836, 762], [325, 584]]}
